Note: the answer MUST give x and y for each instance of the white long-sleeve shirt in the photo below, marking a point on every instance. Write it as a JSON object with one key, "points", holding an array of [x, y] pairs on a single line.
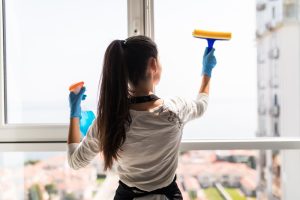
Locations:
{"points": [[149, 156]]}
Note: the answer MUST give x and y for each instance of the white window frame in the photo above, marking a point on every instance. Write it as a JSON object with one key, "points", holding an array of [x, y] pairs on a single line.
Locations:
{"points": [[52, 137]]}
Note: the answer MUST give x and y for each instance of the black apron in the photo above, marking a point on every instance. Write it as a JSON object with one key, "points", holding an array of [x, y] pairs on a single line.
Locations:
{"points": [[124, 192]]}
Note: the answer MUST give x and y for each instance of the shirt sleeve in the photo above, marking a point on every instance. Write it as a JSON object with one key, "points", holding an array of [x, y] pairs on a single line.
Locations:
{"points": [[190, 109], [81, 154]]}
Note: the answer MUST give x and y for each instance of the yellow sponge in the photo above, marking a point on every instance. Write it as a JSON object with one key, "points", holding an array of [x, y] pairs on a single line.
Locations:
{"points": [[212, 35]]}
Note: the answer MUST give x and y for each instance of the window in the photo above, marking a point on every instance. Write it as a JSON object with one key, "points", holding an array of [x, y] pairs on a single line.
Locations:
{"points": [[52, 44], [239, 174], [76, 34], [232, 107]]}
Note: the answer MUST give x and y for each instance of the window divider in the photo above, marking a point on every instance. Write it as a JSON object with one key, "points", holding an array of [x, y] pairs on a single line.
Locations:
{"points": [[263, 143], [2, 69], [141, 18], [136, 25], [149, 18]]}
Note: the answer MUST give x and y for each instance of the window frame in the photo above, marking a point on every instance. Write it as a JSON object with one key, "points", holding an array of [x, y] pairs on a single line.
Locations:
{"points": [[262, 143], [52, 137]]}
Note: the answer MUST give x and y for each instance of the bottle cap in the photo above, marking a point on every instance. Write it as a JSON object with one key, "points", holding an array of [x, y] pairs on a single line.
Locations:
{"points": [[76, 87]]}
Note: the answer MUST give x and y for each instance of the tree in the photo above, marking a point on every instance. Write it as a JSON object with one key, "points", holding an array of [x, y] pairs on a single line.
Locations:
{"points": [[31, 162], [51, 189], [69, 196], [35, 193], [192, 194]]}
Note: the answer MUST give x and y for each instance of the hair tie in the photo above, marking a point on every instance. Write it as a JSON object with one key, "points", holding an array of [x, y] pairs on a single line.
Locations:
{"points": [[123, 42]]}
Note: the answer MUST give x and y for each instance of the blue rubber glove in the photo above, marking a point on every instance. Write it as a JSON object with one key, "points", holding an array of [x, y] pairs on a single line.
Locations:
{"points": [[209, 62], [75, 101]]}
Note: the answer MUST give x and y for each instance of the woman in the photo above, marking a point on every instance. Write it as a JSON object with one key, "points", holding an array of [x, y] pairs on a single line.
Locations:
{"points": [[134, 127]]}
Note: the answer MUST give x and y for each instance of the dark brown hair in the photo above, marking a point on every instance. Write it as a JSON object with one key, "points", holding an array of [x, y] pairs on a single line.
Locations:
{"points": [[125, 62]]}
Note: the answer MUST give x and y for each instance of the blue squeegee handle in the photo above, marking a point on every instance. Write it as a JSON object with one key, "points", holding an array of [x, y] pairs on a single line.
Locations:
{"points": [[210, 44]]}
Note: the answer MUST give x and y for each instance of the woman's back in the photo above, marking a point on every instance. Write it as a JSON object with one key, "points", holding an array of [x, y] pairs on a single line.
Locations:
{"points": [[134, 127], [149, 156], [150, 148]]}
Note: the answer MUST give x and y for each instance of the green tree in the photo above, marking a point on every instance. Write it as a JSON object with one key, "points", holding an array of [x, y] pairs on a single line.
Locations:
{"points": [[69, 196], [192, 194], [31, 162], [51, 189], [35, 193]]}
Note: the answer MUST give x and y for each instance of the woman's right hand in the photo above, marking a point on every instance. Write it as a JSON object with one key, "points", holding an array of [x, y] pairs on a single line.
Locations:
{"points": [[75, 101], [209, 62]]}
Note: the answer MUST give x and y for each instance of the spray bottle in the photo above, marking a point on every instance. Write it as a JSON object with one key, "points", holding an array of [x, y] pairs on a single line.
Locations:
{"points": [[87, 116]]}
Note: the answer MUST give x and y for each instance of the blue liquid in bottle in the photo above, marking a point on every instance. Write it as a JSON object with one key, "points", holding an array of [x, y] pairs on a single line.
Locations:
{"points": [[87, 118]]}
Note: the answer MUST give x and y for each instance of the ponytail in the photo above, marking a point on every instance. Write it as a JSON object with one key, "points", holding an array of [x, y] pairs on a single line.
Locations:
{"points": [[113, 107], [125, 63]]}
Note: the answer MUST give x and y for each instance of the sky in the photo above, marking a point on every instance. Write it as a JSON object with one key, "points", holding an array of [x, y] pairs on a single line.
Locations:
{"points": [[232, 106], [53, 44]]}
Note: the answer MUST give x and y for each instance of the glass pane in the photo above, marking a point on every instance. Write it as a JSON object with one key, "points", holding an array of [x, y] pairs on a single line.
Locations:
{"points": [[240, 174], [233, 104], [52, 44]]}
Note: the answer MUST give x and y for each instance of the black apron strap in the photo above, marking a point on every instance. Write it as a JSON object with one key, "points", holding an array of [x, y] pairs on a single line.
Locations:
{"points": [[125, 192], [143, 99]]}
